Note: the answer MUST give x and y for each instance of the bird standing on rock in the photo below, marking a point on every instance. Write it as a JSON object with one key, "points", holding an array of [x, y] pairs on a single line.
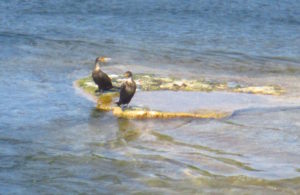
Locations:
{"points": [[127, 90], [101, 78]]}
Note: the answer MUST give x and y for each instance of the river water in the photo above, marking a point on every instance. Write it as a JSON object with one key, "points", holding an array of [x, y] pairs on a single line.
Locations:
{"points": [[54, 141]]}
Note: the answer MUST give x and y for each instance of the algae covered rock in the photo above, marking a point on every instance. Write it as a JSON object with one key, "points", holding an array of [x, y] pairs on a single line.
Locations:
{"points": [[149, 114], [149, 82], [106, 101]]}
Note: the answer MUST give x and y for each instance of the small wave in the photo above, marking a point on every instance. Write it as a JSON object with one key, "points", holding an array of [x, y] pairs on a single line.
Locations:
{"points": [[33, 37]]}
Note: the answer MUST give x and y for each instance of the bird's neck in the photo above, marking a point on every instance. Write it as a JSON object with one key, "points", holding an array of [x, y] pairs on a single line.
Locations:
{"points": [[97, 66], [129, 80]]}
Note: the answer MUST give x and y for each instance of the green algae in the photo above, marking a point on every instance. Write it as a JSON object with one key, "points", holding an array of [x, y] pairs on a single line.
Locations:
{"points": [[150, 82], [84, 83], [148, 114]]}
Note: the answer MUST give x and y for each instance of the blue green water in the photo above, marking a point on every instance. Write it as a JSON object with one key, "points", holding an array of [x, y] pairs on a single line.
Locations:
{"points": [[53, 141]]}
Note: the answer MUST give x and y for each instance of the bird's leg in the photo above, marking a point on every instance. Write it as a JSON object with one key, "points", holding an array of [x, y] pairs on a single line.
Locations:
{"points": [[98, 91], [124, 106]]}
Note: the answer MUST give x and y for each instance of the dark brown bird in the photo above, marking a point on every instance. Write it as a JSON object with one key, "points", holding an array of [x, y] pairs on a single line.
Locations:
{"points": [[127, 89], [101, 78]]}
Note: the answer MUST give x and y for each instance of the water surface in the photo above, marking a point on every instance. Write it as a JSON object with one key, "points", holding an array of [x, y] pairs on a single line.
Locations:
{"points": [[53, 141]]}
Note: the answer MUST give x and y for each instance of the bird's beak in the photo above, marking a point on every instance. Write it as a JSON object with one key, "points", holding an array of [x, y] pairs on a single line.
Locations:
{"points": [[104, 59]]}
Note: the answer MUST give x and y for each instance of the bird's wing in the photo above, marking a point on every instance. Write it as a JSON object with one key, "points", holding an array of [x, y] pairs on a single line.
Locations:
{"points": [[106, 79], [123, 93], [122, 90]]}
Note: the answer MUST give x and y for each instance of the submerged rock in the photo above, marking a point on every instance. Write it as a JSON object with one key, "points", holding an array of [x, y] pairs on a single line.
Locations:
{"points": [[146, 82], [265, 90]]}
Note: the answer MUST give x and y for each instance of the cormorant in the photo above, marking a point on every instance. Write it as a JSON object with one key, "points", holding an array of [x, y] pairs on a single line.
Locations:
{"points": [[100, 78], [127, 89]]}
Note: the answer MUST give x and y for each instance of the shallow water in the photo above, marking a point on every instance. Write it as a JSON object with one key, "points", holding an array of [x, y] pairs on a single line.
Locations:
{"points": [[183, 101], [53, 141]]}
